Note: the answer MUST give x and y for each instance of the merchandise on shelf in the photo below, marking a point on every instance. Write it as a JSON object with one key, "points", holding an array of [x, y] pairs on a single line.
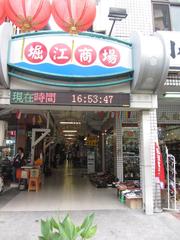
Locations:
{"points": [[131, 166], [102, 180], [129, 192], [109, 153]]}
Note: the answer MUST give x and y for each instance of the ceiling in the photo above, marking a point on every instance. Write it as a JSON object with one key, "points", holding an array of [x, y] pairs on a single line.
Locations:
{"points": [[76, 123]]}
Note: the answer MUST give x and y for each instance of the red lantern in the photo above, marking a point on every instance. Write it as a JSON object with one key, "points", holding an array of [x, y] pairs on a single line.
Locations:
{"points": [[74, 16], [28, 15], [2, 11]]}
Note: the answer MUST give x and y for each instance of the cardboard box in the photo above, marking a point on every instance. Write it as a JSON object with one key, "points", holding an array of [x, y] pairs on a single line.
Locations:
{"points": [[134, 203]]}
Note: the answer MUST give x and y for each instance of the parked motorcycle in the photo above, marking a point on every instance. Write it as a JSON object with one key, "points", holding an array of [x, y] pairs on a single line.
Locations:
{"points": [[1, 184], [5, 172]]}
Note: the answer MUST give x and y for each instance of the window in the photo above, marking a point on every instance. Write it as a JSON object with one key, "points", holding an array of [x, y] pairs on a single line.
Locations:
{"points": [[175, 13], [166, 15], [161, 17]]}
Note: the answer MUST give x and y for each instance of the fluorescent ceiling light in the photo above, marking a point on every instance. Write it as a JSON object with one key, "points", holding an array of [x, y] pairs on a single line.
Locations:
{"points": [[70, 131], [69, 136], [172, 94], [70, 123]]}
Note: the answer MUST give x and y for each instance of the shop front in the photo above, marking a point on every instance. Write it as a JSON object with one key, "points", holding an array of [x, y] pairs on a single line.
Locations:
{"points": [[51, 73]]}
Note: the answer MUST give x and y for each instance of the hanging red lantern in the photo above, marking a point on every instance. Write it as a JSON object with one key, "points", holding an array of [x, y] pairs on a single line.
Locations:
{"points": [[74, 16], [2, 11], [28, 15]]}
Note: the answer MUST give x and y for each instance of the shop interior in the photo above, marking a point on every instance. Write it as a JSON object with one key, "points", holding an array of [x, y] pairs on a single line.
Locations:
{"points": [[78, 154]]}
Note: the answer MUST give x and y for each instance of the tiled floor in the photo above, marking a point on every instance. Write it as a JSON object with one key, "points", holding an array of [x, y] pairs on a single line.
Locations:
{"points": [[66, 189]]}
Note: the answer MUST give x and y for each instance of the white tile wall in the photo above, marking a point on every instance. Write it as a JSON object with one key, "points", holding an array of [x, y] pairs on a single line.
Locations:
{"points": [[152, 138], [139, 17]]}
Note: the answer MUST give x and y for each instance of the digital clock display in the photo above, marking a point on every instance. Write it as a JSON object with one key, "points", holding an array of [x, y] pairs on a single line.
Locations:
{"points": [[69, 98]]}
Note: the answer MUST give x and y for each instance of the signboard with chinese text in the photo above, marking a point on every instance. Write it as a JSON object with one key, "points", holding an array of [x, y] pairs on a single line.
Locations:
{"points": [[92, 141], [70, 56], [166, 117], [172, 44], [69, 98]]}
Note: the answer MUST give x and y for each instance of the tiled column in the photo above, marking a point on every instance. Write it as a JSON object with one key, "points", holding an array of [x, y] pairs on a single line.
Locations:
{"points": [[148, 137], [103, 152], [3, 129], [119, 149]]}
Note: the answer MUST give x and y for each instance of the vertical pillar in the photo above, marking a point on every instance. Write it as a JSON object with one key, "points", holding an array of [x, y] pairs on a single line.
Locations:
{"points": [[3, 129], [119, 149], [103, 152], [48, 120], [148, 137]]}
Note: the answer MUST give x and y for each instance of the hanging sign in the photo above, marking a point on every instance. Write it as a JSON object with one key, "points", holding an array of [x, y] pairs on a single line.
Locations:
{"points": [[70, 98], [74, 56], [92, 141], [168, 116]]}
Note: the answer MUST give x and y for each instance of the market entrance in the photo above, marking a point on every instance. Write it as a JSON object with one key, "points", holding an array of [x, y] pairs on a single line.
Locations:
{"points": [[81, 159]]}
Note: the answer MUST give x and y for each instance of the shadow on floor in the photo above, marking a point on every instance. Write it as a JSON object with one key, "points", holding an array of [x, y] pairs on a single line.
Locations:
{"points": [[7, 196]]}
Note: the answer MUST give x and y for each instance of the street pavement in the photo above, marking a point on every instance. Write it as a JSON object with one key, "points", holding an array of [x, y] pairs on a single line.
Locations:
{"points": [[123, 224]]}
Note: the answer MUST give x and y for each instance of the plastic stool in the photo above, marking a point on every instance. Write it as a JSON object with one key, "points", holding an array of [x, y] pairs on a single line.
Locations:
{"points": [[34, 184]]}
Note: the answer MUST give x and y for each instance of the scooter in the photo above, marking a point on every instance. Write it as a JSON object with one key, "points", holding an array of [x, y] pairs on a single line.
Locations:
{"points": [[5, 174]]}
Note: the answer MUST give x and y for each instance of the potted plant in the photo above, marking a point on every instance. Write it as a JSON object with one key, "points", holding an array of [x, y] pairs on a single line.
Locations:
{"points": [[52, 229]]}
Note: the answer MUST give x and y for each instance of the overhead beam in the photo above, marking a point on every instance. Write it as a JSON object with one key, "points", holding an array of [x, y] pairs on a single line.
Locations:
{"points": [[46, 132]]}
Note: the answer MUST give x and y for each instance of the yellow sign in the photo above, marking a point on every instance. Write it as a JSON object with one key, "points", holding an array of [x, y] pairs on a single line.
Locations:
{"points": [[92, 141]]}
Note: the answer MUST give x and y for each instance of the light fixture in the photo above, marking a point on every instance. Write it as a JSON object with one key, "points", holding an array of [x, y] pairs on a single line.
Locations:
{"points": [[116, 14], [172, 95], [70, 123], [72, 136], [69, 135], [69, 131]]}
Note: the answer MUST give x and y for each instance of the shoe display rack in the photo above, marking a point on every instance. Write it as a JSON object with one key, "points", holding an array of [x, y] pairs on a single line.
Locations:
{"points": [[174, 149], [171, 180]]}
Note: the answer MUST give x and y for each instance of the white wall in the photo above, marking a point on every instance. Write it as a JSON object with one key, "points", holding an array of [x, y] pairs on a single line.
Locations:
{"points": [[139, 17]]}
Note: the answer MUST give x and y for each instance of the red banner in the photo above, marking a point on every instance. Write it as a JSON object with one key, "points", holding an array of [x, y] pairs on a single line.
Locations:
{"points": [[159, 166]]}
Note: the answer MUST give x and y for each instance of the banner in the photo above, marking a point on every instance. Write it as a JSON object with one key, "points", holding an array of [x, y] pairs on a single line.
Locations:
{"points": [[159, 167]]}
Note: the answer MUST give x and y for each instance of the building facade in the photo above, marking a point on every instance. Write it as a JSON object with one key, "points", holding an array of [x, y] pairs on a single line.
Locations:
{"points": [[147, 87]]}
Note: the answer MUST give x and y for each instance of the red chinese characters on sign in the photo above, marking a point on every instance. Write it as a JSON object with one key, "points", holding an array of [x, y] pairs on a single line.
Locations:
{"points": [[109, 56], [35, 52], [43, 97], [85, 55], [60, 53]]}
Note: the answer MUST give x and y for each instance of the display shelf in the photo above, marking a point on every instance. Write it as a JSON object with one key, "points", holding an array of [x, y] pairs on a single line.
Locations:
{"points": [[131, 154], [174, 149], [131, 166]]}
